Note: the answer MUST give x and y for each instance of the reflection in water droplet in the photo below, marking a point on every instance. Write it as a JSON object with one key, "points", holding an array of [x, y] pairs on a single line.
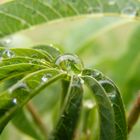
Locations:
{"points": [[129, 11], [111, 2], [8, 54], [70, 63], [89, 104], [46, 77], [14, 101], [18, 86]]}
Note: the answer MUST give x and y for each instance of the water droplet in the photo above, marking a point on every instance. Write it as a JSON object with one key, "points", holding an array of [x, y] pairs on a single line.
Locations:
{"points": [[129, 11], [46, 77], [43, 61], [70, 63], [6, 41], [8, 54], [18, 86], [111, 2], [14, 101], [89, 104], [97, 75], [112, 95]]}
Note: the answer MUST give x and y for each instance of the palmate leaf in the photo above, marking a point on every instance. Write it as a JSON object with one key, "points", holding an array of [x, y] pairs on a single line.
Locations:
{"points": [[116, 102], [35, 79], [37, 65], [18, 15]]}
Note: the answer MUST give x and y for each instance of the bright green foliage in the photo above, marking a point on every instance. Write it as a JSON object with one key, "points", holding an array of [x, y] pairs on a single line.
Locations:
{"points": [[68, 67], [104, 33]]}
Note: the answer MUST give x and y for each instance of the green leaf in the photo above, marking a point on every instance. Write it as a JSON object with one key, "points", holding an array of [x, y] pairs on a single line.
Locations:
{"points": [[105, 110], [18, 15], [53, 51], [24, 52], [17, 69], [116, 100], [66, 125], [21, 92]]}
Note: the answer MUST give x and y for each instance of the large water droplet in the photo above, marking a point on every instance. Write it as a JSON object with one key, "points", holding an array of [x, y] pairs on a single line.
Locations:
{"points": [[8, 53], [70, 63], [111, 2], [129, 11]]}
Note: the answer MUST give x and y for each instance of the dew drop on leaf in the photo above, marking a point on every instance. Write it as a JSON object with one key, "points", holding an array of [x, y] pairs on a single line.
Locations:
{"points": [[19, 86], [46, 77], [69, 63], [89, 104], [112, 95], [8, 53], [14, 101]]}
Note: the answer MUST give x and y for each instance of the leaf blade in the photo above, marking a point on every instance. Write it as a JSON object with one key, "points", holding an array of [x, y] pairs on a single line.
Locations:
{"points": [[106, 114], [116, 100]]}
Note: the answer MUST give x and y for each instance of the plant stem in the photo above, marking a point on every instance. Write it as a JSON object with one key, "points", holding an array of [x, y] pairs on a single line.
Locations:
{"points": [[134, 113], [37, 119]]}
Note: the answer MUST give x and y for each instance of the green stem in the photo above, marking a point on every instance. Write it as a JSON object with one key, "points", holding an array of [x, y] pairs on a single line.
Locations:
{"points": [[37, 119], [134, 114]]}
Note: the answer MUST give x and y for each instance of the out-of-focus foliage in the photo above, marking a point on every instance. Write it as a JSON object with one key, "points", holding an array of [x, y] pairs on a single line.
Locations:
{"points": [[109, 42]]}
